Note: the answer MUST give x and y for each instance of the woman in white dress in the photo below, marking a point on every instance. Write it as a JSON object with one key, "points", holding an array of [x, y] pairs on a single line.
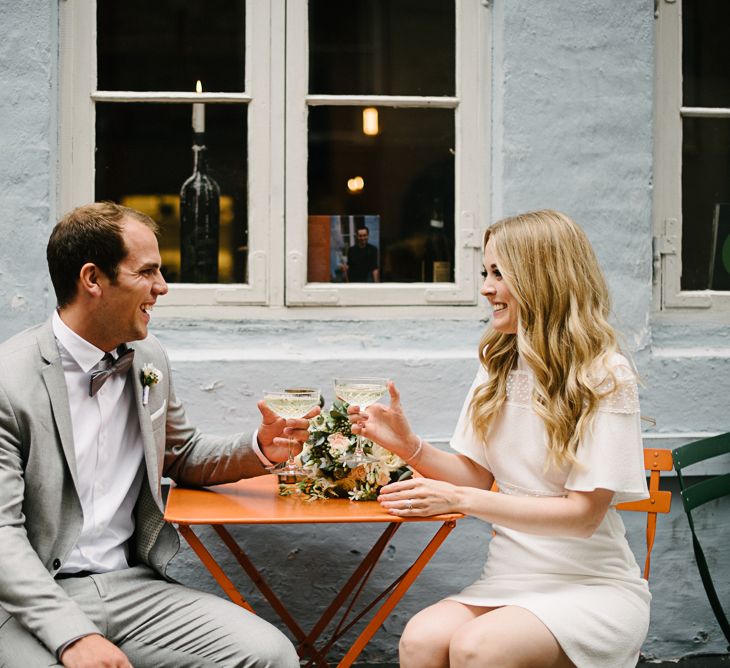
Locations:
{"points": [[553, 418]]}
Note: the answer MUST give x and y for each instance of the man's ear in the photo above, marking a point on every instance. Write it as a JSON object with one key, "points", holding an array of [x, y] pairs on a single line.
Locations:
{"points": [[89, 279]]}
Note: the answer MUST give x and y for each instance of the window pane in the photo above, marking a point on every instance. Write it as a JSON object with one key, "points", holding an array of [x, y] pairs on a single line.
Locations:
{"points": [[394, 183], [167, 45], [705, 62], [144, 156], [706, 204], [381, 47]]}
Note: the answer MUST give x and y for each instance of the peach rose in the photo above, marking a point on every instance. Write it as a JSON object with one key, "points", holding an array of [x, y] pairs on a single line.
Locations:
{"points": [[338, 443]]}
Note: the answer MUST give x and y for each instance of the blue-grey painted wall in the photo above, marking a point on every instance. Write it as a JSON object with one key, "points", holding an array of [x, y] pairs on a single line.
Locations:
{"points": [[28, 77], [572, 121]]}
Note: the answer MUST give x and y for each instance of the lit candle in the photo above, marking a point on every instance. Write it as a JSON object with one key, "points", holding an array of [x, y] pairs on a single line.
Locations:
{"points": [[198, 112]]}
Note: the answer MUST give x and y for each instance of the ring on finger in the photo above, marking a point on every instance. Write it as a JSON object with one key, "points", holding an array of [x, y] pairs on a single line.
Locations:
{"points": [[409, 504]]}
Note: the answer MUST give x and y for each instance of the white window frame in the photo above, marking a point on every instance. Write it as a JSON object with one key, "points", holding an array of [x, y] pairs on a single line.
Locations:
{"points": [[78, 78], [277, 99], [471, 165], [670, 111]]}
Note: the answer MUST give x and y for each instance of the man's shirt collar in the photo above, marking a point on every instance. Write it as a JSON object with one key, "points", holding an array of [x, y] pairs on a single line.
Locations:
{"points": [[85, 354]]}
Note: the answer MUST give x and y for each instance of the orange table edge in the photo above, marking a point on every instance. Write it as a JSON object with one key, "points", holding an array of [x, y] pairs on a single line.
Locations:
{"points": [[257, 501]]}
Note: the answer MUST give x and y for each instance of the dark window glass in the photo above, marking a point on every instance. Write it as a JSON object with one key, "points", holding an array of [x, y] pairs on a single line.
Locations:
{"points": [[143, 157], [167, 45], [382, 47], [706, 204], [393, 183], [705, 56]]}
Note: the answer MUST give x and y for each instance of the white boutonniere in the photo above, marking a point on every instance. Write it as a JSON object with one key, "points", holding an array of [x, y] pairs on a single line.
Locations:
{"points": [[150, 376]]}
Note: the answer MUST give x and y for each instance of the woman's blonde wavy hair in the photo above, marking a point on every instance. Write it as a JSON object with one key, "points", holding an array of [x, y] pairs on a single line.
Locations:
{"points": [[550, 268]]}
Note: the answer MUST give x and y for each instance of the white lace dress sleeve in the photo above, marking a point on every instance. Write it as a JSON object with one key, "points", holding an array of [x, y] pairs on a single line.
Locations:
{"points": [[610, 455], [464, 439]]}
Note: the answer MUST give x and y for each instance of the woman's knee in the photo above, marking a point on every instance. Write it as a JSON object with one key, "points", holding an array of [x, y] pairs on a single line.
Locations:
{"points": [[508, 636], [463, 651], [469, 649], [423, 643]]}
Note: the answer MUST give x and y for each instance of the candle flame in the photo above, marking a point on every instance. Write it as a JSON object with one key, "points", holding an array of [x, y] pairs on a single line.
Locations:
{"points": [[198, 87]]}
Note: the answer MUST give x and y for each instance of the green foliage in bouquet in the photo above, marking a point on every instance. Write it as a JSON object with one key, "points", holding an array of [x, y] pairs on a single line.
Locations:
{"points": [[330, 444]]}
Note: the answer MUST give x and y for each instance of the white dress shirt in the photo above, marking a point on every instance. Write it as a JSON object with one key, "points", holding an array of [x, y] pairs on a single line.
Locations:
{"points": [[109, 454]]}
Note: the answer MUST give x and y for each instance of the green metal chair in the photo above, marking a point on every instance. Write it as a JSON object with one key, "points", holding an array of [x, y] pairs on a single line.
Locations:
{"points": [[698, 494]]}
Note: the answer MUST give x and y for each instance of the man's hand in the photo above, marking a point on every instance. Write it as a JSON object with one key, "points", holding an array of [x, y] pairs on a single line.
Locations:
{"points": [[276, 433], [94, 651]]}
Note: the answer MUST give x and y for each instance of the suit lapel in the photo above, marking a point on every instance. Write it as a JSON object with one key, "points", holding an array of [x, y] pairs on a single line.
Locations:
{"points": [[53, 377], [145, 427], [55, 381]]}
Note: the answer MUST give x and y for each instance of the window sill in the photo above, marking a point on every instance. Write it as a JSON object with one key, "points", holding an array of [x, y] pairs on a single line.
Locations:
{"points": [[340, 313]]}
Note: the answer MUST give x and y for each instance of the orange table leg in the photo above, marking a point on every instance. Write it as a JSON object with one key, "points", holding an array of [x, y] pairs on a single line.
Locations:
{"points": [[390, 603], [358, 577], [306, 646], [212, 565]]}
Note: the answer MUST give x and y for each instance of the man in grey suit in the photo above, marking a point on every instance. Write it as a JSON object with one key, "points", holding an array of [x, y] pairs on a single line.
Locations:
{"points": [[84, 442]]}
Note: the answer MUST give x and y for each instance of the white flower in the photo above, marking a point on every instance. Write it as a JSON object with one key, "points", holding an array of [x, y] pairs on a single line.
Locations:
{"points": [[338, 444], [378, 475], [150, 376], [387, 458]]}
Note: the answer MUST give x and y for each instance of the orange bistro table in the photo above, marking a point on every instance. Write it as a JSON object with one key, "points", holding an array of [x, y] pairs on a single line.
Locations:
{"points": [[257, 501]]}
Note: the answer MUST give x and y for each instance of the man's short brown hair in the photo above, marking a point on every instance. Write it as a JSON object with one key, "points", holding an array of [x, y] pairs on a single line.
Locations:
{"points": [[89, 233]]}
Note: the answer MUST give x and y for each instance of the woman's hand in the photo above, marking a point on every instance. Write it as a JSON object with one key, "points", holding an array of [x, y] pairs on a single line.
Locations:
{"points": [[386, 425], [420, 497], [275, 433]]}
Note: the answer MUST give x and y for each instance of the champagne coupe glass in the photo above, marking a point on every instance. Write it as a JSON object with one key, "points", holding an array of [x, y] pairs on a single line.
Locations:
{"points": [[360, 392], [291, 404]]}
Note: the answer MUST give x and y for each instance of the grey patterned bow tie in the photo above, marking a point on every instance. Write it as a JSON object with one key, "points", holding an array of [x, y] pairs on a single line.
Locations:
{"points": [[111, 366]]}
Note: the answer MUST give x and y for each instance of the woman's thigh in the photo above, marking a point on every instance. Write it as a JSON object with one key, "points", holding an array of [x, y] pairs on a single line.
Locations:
{"points": [[508, 636], [427, 636]]}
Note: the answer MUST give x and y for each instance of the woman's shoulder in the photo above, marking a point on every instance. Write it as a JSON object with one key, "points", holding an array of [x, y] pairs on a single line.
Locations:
{"points": [[521, 370], [616, 382], [614, 364]]}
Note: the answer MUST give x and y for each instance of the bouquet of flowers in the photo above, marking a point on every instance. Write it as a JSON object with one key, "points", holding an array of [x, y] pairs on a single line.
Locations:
{"points": [[330, 444]]}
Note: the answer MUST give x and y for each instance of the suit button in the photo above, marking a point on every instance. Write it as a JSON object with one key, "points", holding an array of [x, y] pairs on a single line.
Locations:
{"points": [[56, 563]]}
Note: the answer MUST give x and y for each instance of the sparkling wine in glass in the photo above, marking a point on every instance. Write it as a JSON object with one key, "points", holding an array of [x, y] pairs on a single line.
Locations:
{"points": [[291, 404], [360, 392]]}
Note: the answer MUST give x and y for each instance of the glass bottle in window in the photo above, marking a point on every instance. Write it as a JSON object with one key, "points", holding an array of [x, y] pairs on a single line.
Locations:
{"points": [[199, 220]]}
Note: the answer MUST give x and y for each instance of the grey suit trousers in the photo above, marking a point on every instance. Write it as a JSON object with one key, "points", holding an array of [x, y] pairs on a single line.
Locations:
{"points": [[159, 624]]}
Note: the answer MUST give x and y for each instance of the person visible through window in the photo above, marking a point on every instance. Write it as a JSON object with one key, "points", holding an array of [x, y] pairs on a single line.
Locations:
{"points": [[362, 260]]}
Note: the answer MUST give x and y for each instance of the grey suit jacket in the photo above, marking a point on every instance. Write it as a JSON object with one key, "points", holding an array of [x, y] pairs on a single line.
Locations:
{"points": [[40, 511]]}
